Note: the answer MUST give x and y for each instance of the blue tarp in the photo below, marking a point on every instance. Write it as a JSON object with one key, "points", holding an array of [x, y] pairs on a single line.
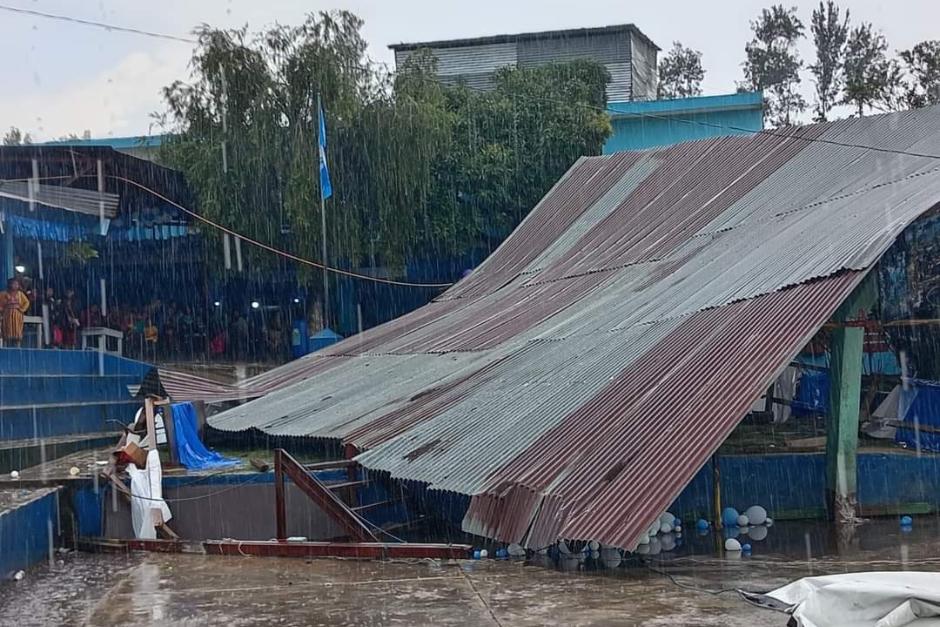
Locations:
{"points": [[920, 405], [812, 394], [191, 451]]}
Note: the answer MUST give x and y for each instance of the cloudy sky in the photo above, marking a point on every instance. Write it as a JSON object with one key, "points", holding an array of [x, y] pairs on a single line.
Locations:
{"points": [[60, 77]]}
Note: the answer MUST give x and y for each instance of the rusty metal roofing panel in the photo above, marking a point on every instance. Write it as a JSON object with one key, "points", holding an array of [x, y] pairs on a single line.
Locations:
{"points": [[630, 320]]}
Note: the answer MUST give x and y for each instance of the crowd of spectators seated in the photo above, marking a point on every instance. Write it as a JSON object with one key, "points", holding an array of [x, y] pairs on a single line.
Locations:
{"points": [[160, 331]]}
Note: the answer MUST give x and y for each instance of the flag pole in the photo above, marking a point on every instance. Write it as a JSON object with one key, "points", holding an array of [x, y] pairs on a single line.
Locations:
{"points": [[326, 260]]}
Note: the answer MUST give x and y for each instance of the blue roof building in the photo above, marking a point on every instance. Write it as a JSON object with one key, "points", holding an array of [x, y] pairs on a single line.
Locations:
{"points": [[647, 124]]}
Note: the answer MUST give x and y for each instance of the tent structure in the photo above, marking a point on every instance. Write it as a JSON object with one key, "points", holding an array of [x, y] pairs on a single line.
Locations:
{"points": [[576, 381]]}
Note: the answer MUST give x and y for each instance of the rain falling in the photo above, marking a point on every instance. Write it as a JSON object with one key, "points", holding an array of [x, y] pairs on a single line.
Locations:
{"points": [[399, 314]]}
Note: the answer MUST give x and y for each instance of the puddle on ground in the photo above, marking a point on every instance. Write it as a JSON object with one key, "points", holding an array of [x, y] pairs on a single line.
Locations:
{"points": [[678, 587]]}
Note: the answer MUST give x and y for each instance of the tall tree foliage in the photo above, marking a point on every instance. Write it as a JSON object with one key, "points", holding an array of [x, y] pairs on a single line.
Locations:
{"points": [[773, 63], [16, 137], [680, 73], [869, 75], [417, 168], [830, 31], [922, 63]]}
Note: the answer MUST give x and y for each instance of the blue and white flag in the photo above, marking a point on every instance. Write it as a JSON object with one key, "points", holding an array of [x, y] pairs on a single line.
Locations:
{"points": [[326, 188]]}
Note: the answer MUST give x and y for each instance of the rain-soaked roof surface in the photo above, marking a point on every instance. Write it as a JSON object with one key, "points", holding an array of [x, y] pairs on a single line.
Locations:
{"points": [[577, 380]]}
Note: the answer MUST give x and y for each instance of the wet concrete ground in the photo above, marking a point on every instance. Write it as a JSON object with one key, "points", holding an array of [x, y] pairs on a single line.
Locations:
{"points": [[151, 589]]}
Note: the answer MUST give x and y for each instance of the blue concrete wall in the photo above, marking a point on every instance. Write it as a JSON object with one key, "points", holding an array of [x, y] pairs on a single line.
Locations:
{"points": [[639, 125], [64, 393], [797, 482], [24, 534]]}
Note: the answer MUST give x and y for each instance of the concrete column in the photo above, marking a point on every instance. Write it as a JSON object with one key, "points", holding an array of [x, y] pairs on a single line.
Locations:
{"points": [[845, 382]]}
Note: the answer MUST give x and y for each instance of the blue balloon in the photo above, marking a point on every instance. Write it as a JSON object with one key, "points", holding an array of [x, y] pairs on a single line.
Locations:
{"points": [[702, 524], [476, 554], [729, 516], [906, 521], [746, 548]]}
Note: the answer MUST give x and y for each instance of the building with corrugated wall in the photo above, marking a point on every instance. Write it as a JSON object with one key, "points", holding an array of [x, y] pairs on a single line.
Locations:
{"points": [[628, 54]]}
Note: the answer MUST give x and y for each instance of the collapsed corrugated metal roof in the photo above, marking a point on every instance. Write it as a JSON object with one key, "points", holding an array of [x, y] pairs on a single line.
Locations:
{"points": [[578, 379]]}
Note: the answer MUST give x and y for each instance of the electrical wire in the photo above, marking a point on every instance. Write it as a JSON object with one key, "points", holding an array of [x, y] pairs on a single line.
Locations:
{"points": [[684, 586], [109, 27], [268, 247], [607, 109]]}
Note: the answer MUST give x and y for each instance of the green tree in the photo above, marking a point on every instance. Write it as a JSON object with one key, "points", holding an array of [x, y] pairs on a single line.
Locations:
{"points": [[773, 64], [869, 75], [830, 32], [922, 63], [418, 168], [680, 73], [16, 137]]}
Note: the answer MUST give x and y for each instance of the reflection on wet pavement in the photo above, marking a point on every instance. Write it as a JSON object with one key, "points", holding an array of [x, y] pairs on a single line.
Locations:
{"points": [[151, 589]]}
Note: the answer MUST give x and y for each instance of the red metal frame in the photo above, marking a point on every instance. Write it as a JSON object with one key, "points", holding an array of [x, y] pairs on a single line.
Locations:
{"points": [[319, 493], [363, 550]]}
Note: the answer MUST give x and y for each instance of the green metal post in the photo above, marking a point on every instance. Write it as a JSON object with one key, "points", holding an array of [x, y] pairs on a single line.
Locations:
{"points": [[845, 381]]}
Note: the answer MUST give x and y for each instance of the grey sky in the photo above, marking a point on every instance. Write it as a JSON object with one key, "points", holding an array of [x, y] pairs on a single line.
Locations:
{"points": [[61, 78]]}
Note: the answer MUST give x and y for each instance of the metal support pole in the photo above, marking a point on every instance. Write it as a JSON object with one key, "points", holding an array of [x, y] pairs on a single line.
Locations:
{"points": [[279, 505], [326, 259], [716, 492]]}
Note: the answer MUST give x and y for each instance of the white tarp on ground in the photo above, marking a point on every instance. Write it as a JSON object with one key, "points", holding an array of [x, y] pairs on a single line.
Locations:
{"points": [[874, 599]]}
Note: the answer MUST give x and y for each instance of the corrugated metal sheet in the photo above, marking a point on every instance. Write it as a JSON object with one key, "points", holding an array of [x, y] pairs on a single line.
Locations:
{"points": [[603, 48], [643, 62], [629, 322], [620, 87], [475, 64], [70, 198]]}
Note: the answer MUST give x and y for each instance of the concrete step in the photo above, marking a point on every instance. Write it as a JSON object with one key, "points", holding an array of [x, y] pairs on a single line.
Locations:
{"points": [[20, 390], [46, 361], [56, 419], [21, 454]]}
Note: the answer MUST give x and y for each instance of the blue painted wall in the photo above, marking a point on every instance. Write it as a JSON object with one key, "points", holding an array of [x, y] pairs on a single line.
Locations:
{"points": [[797, 481], [639, 125], [24, 534]]}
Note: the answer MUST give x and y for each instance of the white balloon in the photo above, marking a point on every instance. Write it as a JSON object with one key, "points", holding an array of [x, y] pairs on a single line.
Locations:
{"points": [[769, 522], [668, 542], [655, 546], [644, 539], [758, 533], [756, 514], [743, 520], [665, 528], [732, 545], [668, 518]]}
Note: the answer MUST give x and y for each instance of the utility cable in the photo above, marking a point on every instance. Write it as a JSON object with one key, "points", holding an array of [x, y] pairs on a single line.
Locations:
{"points": [[105, 26], [250, 240], [268, 247], [607, 109]]}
